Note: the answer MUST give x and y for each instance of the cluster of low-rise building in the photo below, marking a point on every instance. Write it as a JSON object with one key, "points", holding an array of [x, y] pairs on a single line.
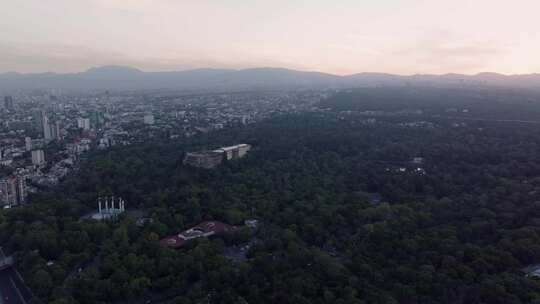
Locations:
{"points": [[204, 229]]}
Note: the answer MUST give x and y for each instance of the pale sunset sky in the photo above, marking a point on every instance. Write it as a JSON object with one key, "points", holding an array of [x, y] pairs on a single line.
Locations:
{"points": [[340, 36]]}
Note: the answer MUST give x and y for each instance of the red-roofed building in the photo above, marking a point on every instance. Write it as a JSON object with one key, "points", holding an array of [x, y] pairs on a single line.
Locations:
{"points": [[204, 229]]}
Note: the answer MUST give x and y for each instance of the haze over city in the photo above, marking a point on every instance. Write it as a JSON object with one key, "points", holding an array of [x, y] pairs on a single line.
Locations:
{"points": [[399, 37], [262, 152]]}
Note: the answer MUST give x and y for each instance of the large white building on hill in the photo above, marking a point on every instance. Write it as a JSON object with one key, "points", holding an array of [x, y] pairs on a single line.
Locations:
{"points": [[234, 152], [212, 159]]}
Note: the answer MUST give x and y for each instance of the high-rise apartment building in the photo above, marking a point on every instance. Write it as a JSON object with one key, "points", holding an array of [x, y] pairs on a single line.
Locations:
{"points": [[38, 157], [47, 134], [83, 123], [12, 191], [28, 144], [148, 119], [55, 130], [38, 120], [8, 103]]}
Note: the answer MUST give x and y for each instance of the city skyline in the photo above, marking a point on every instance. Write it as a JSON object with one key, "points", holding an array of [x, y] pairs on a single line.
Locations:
{"points": [[419, 37]]}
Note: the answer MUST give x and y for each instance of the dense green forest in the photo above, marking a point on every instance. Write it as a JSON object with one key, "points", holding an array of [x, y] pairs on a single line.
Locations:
{"points": [[478, 103], [454, 227]]}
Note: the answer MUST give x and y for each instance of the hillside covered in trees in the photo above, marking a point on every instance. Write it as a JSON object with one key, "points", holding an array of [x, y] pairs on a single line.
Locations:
{"points": [[352, 209]]}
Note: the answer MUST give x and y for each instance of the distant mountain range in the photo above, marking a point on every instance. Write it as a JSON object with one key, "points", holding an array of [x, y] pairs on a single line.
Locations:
{"points": [[127, 78]]}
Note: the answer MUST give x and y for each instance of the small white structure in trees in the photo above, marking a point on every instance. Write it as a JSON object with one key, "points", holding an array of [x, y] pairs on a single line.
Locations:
{"points": [[109, 208]]}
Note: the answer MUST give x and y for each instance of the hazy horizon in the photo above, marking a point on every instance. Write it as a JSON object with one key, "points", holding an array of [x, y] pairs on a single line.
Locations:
{"points": [[267, 67], [417, 37]]}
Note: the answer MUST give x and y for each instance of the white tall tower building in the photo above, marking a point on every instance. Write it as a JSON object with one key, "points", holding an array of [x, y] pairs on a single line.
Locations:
{"points": [[28, 144], [47, 134], [38, 157], [148, 119]]}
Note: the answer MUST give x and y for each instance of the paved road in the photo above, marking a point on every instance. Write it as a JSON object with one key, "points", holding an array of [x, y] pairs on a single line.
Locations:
{"points": [[12, 288], [489, 119]]}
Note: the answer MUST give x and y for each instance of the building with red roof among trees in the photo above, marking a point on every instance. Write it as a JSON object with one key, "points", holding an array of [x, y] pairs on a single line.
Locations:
{"points": [[204, 229]]}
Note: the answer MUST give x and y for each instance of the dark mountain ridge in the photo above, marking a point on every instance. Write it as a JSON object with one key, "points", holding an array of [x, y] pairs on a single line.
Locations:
{"points": [[128, 78]]}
